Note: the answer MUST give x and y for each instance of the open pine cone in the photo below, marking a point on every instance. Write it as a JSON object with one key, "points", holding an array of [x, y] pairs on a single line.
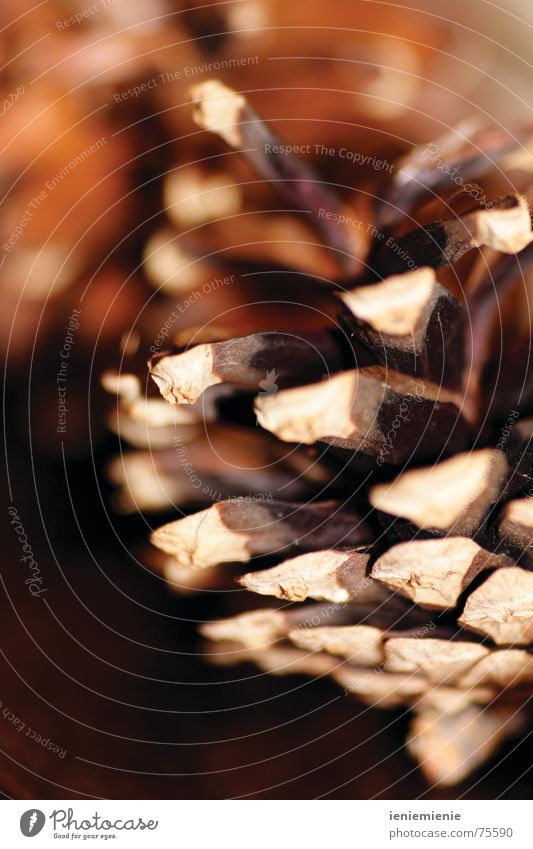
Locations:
{"points": [[355, 415]]}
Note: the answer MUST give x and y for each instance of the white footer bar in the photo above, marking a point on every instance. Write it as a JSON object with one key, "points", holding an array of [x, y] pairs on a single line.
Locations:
{"points": [[252, 824]]}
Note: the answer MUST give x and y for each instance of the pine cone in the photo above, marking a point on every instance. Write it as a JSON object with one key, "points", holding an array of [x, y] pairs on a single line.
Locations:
{"points": [[384, 469]]}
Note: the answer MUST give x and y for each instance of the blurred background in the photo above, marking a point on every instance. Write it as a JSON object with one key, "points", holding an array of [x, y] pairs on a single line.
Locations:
{"points": [[104, 691]]}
